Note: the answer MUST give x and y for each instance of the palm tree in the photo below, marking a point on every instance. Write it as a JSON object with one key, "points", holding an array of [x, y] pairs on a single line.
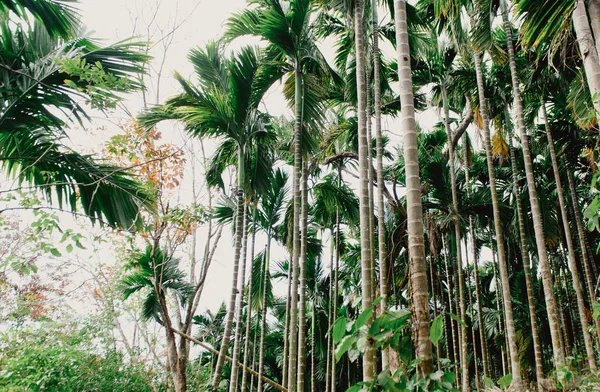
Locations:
{"points": [[224, 105], [38, 85], [157, 273], [418, 266], [292, 50], [58, 18]]}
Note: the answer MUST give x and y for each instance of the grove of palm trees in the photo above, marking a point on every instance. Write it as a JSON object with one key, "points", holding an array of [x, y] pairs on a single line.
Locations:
{"points": [[343, 195]]}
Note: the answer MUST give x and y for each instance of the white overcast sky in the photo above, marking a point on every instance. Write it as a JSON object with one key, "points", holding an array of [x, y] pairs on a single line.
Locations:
{"points": [[198, 21]]}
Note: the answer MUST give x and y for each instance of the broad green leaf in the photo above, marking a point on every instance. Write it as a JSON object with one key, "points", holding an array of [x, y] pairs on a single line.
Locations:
{"points": [[488, 382], [69, 248], [364, 317], [343, 347], [596, 307], [339, 329], [505, 381], [55, 252], [437, 329]]}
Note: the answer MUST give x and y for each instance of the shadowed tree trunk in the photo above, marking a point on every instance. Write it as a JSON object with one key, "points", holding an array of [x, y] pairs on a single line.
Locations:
{"points": [[537, 348], [464, 347], [234, 380], [502, 261], [383, 271], [589, 349], [292, 371], [588, 50], [536, 214], [249, 311], [236, 263], [364, 168], [302, 290], [416, 249]]}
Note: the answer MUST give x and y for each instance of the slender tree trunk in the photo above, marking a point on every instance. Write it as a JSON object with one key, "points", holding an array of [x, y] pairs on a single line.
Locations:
{"points": [[383, 271], [249, 311], [588, 51], [416, 248], [286, 329], [583, 246], [499, 306], [464, 360], [537, 348], [297, 177], [313, 373], [473, 334], [502, 261], [256, 329], [533, 199], [335, 289], [302, 290], [263, 322], [371, 178], [594, 11], [365, 207], [482, 338], [236, 263], [234, 380], [589, 347], [330, 320], [450, 307]]}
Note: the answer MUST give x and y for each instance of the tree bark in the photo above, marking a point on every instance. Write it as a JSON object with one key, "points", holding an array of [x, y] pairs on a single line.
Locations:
{"points": [[263, 319], [588, 51], [249, 311], [364, 168], [416, 248], [538, 225], [302, 289], [236, 263], [383, 271], [537, 348], [502, 261], [464, 348], [589, 348], [215, 352], [234, 379], [293, 325], [594, 12]]}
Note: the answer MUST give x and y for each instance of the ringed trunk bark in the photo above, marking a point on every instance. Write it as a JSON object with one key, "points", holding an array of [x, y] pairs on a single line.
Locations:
{"points": [[588, 51], [365, 210], [416, 247], [536, 214]]}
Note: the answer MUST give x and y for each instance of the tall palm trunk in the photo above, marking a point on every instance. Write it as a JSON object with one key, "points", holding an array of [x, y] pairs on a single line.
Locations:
{"points": [[482, 339], [263, 320], [464, 348], [588, 51], [236, 264], [335, 285], [383, 271], [536, 214], [302, 304], [286, 329], [499, 303], [416, 248], [589, 349], [365, 208], [330, 319], [583, 245], [450, 307], [502, 262], [537, 348], [594, 11], [293, 325], [249, 311], [234, 379]]}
